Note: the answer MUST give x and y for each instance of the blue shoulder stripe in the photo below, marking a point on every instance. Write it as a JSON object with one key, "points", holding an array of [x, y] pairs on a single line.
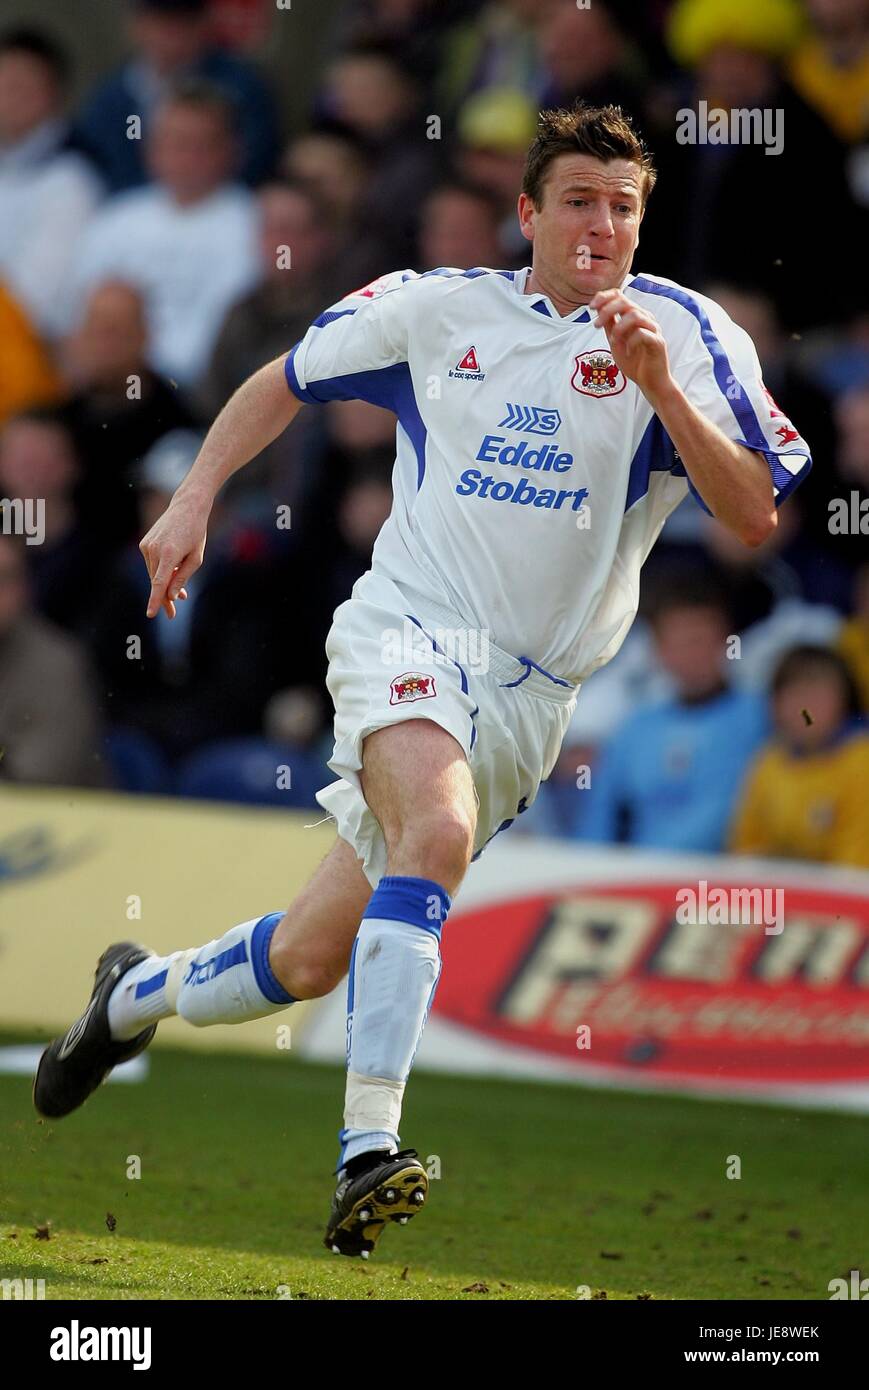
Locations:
{"points": [[724, 374], [738, 400]]}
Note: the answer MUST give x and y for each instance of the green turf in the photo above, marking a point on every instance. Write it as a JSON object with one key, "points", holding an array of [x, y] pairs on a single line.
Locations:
{"points": [[542, 1189]]}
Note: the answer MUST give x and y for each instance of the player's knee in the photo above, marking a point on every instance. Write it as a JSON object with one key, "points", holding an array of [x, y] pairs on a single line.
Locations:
{"points": [[304, 976], [437, 844]]}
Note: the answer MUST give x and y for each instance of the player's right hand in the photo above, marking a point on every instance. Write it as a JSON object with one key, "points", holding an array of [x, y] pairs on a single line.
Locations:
{"points": [[173, 550]]}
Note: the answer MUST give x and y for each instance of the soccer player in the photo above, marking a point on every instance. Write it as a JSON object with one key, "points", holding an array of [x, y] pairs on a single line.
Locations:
{"points": [[549, 420]]}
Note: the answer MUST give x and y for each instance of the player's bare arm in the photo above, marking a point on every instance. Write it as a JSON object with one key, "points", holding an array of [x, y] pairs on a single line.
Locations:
{"points": [[733, 481], [252, 418]]}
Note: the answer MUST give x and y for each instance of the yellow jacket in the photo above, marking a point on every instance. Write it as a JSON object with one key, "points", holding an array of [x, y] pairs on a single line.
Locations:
{"points": [[813, 806], [839, 94]]}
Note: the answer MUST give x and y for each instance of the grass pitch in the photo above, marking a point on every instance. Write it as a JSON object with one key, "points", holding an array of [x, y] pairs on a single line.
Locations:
{"points": [[543, 1189]]}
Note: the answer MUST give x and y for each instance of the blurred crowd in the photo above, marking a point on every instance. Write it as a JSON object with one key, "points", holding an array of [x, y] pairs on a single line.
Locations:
{"points": [[167, 233]]}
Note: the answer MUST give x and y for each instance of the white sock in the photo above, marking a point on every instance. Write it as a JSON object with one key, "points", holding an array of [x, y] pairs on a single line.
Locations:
{"points": [[394, 970], [229, 980]]}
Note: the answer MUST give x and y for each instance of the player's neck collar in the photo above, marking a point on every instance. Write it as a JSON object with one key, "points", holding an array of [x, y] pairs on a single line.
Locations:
{"points": [[542, 304]]}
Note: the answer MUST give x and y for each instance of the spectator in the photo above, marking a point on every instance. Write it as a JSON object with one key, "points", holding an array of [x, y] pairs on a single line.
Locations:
{"points": [[805, 795], [356, 438], [838, 354], [354, 430], [459, 227], [830, 66], [171, 43], [27, 377], [206, 674], [118, 409], [497, 48], [494, 130], [49, 725], [347, 497], [585, 54], [333, 165], [39, 465], [788, 572], [188, 242], [411, 29], [361, 508], [669, 776], [297, 284], [48, 193], [605, 702], [735, 55], [368, 91]]}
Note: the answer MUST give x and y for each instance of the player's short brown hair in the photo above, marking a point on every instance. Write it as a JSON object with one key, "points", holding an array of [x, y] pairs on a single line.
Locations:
{"points": [[602, 131]]}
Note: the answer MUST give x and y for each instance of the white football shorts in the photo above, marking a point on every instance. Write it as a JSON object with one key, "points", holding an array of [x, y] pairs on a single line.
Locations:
{"points": [[395, 654]]}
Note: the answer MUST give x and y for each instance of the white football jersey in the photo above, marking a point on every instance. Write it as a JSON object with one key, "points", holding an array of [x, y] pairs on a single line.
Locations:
{"points": [[531, 478]]}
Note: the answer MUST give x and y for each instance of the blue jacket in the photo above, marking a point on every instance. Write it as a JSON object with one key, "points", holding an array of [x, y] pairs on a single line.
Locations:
{"points": [[669, 777]]}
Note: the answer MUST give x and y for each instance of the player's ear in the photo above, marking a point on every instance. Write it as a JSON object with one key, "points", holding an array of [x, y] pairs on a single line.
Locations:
{"points": [[526, 212]]}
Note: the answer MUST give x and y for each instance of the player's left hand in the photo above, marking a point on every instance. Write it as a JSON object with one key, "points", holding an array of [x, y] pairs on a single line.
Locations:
{"points": [[636, 341]]}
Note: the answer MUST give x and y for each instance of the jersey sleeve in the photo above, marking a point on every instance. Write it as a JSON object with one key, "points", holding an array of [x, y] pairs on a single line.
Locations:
{"points": [[720, 373], [357, 349]]}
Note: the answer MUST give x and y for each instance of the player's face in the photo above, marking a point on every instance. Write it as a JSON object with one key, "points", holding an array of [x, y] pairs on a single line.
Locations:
{"points": [[587, 227]]}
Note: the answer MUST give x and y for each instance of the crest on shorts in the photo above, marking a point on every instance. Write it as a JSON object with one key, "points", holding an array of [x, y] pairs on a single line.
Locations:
{"points": [[413, 685], [596, 374]]}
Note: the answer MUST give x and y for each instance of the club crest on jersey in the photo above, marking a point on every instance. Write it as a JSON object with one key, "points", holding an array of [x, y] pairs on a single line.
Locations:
{"points": [[596, 374], [468, 367], [413, 685]]}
